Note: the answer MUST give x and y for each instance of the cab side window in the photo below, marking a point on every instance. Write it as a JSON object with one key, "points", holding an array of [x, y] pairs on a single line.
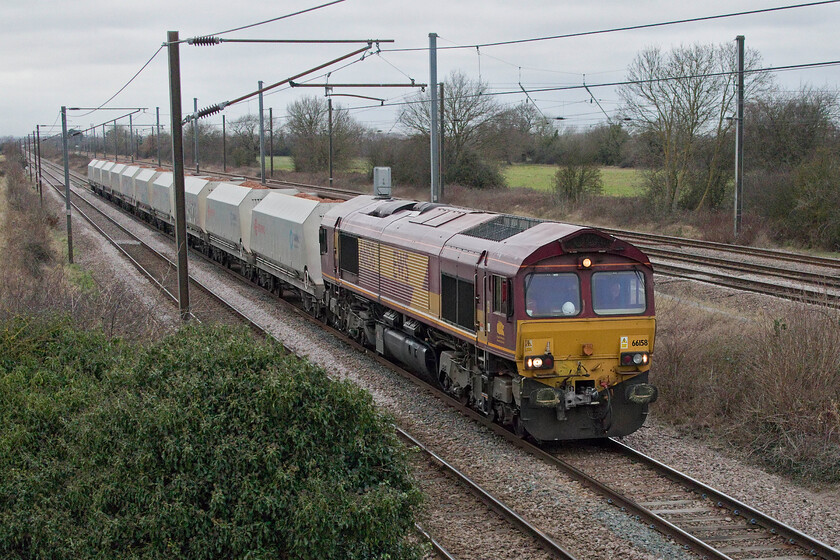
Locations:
{"points": [[500, 288]]}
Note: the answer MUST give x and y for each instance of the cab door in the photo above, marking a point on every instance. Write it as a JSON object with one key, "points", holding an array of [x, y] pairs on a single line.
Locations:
{"points": [[482, 325], [500, 326]]}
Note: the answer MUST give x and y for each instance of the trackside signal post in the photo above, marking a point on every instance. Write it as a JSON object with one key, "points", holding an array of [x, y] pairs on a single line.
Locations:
{"points": [[178, 172]]}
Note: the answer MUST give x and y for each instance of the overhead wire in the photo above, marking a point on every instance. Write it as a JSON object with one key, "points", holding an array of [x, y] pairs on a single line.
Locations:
{"points": [[785, 68], [625, 28], [157, 52], [520, 41], [279, 18]]}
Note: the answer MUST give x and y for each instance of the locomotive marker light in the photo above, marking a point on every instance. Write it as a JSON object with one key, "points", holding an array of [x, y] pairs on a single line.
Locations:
{"points": [[635, 358], [540, 362]]}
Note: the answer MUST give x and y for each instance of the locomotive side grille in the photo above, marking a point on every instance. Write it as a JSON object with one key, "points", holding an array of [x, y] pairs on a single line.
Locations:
{"points": [[502, 227], [395, 273], [369, 264]]}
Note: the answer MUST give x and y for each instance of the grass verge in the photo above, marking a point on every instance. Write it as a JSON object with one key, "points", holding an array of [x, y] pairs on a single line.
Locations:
{"points": [[617, 181], [769, 386]]}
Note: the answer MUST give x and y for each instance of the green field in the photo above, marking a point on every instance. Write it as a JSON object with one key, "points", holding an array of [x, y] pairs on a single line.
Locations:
{"points": [[281, 163], [285, 163], [617, 181]]}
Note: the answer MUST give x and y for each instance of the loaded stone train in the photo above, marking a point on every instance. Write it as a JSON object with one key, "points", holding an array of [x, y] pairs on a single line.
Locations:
{"points": [[546, 327]]}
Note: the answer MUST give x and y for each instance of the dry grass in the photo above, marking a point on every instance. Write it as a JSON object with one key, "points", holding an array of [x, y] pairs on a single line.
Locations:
{"points": [[769, 386], [37, 283]]}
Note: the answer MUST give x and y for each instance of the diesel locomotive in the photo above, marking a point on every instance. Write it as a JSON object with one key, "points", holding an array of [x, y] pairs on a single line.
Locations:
{"points": [[545, 327]]}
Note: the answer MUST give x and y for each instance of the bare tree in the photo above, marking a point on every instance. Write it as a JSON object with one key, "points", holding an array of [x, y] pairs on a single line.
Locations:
{"points": [[466, 108], [244, 139], [678, 98], [511, 133], [785, 129], [307, 128]]}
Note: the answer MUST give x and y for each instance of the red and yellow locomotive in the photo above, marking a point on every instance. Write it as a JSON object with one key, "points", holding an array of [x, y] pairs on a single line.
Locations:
{"points": [[546, 327]]}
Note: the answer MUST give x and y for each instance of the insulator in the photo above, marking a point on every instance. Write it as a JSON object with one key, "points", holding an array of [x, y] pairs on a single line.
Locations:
{"points": [[207, 111], [204, 41], [211, 110]]}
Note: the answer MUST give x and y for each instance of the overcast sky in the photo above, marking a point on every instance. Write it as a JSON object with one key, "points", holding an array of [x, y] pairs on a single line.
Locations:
{"points": [[80, 53]]}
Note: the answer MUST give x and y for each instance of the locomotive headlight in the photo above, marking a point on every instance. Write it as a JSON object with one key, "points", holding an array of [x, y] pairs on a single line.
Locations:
{"points": [[536, 362]]}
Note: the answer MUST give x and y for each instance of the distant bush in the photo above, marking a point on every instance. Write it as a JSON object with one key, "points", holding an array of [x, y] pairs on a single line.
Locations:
{"points": [[471, 170], [574, 181], [205, 445]]}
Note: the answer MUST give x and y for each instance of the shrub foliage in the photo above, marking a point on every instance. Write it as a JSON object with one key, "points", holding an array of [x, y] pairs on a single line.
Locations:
{"points": [[573, 182], [204, 445]]}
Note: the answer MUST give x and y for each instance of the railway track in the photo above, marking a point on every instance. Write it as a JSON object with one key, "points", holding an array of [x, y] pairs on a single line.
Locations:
{"points": [[793, 276], [493, 506], [161, 272], [715, 524], [702, 519]]}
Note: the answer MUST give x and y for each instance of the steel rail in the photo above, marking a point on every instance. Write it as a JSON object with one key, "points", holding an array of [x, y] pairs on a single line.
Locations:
{"points": [[737, 508], [776, 254], [748, 268], [514, 518], [145, 272], [436, 546], [756, 286]]}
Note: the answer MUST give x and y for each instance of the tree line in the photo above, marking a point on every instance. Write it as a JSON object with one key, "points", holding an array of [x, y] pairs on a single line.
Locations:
{"points": [[675, 124]]}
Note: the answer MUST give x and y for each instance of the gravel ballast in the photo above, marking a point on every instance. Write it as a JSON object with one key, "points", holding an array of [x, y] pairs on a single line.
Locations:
{"points": [[577, 518]]}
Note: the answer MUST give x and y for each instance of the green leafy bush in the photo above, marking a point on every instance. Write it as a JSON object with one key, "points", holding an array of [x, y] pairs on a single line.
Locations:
{"points": [[205, 445]]}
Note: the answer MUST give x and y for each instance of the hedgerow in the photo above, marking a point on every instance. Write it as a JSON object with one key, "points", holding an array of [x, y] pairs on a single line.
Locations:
{"points": [[204, 445]]}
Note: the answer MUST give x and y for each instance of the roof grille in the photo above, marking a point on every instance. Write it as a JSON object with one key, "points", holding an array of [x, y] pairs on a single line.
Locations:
{"points": [[588, 241], [501, 227]]}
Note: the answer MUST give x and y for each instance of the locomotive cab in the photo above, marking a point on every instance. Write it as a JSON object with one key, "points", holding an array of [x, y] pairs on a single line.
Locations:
{"points": [[585, 334]]}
